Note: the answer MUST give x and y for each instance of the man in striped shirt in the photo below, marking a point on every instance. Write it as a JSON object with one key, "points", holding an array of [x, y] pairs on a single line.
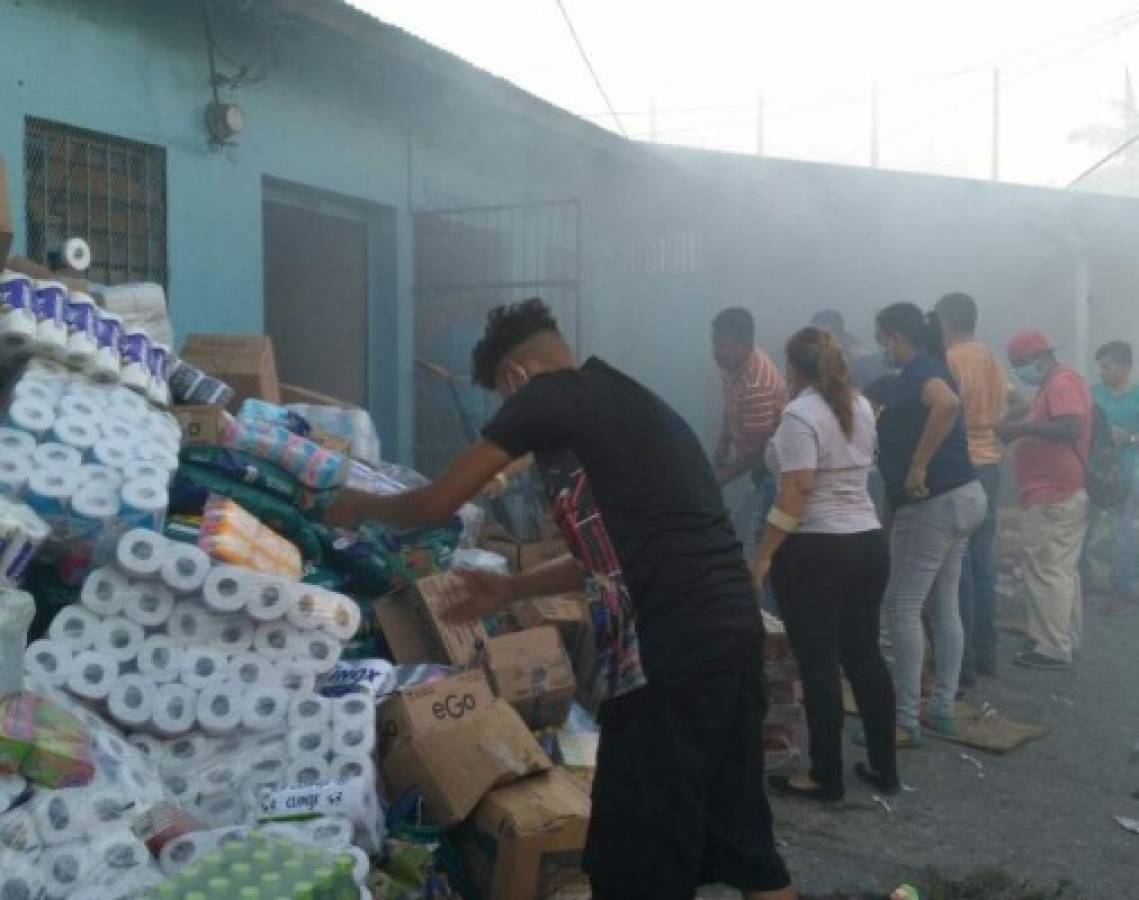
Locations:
{"points": [[754, 396]]}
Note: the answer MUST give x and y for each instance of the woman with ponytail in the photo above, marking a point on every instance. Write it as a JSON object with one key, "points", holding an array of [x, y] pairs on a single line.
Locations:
{"points": [[937, 503], [828, 561]]}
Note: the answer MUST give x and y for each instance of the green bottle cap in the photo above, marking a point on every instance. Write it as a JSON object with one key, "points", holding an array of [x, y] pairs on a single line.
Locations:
{"points": [[219, 887], [241, 873], [166, 891], [190, 873], [323, 877], [304, 891], [196, 895], [263, 859], [270, 884], [249, 893]]}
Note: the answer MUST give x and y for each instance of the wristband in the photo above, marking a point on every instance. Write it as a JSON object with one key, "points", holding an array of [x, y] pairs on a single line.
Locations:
{"points": [[782, 520]]}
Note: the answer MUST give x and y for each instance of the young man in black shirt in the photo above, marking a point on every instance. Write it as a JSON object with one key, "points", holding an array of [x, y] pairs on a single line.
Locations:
{"points": [[678, 797]]}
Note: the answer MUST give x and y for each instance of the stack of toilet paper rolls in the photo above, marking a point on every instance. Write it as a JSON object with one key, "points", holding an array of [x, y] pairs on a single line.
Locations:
{"points": [[90, 460]]}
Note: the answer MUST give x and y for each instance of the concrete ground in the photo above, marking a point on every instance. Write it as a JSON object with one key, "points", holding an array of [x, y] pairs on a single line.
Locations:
{"points": [[1044, 812]]}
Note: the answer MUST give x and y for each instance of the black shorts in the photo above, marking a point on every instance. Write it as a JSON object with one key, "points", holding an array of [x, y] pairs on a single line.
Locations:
{"points": [[678, 797]]}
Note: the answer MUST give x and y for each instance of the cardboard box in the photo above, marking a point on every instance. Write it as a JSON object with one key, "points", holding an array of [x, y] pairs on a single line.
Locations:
{"points": [[523, 555], [243, 361], [457, 645], [525, 841], [401, 622], [566, 612], [454, 767], [430, 707], [7, 227], [202, 426], [530, 671]]}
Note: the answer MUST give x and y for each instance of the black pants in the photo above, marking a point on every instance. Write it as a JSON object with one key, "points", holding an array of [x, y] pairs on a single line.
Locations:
{"points": [[829, 589]]}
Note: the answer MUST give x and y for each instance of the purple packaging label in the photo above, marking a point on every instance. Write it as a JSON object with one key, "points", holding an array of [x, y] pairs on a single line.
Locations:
{"points": [[135, 349], [108, 332], [16, 293], [19, 563], [80, 317], [50, 302], [159, 362]]}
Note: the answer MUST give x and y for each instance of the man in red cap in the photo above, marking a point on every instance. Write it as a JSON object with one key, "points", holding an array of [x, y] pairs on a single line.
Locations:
{"points": [[1051, 445]]}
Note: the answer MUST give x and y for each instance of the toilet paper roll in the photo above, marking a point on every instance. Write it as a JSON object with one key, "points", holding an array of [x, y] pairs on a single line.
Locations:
{"points": [[352, 765], [49, 661], [140, 552], [39, 390], [218, 776], [184, 568], [269, 598], [101, 476], [131, 700], [145, 502], [268, 745], [252, 668], [160, 659], [229, 746], [185, 850], [81, 406], [354, 709], [343, 620], [202, 667], [313, 607], [128, 405], [32, 416], [119, 851], [17, 327], [60, 816], [191, 623], [234, 634], [274, 640], [65, 869], [330, 833], [304, 770], [22, 875], [105, 591], [55, 455], [49, 490], [227, 589], [123, 433], [92, 675], [148, 745], [174, 711], [15, 470], [18, 833], [267, 772], [354, 737], [310, 712], [264, 707], [181, 787], [309, 740], [73, 431], [315, 649], [12, 788], [184, 754], [77, 253], [119, 639], [51, 334], [143, 469], [17, 441], [96, 505], [217, 812], [295, 676], [151, 449], [113, 452], [75, 626], [151, 605], [220, 708]]}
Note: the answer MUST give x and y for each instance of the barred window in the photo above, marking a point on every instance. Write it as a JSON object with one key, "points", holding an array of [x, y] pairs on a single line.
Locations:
{"points": [[108, 190]]}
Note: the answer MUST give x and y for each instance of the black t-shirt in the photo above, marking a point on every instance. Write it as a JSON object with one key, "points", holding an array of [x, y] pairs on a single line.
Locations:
{"points": [[900, 426], [692, 593]]}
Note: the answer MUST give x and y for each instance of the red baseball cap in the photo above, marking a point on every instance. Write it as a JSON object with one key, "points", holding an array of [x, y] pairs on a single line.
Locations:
{"points": [[1028, 344]]}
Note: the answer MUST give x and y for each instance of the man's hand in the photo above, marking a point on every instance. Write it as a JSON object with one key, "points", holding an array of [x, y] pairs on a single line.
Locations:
{"points": [[915, 482], [1009, 431], [484, 593]]}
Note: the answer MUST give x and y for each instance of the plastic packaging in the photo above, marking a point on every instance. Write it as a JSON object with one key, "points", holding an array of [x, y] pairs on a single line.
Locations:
{"points": [[310, 463], [17, 608], [43, 742], [351, 424], [229, 533]]}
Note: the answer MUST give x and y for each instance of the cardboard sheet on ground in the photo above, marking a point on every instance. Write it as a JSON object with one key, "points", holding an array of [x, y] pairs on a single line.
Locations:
{"points": [[995, 733]]}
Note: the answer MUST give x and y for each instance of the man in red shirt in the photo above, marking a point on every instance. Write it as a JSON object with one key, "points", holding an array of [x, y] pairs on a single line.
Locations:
{"points": [[1050, 450]]}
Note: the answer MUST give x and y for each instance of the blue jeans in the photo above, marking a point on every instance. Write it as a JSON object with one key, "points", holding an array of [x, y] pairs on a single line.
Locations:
{"points": [[978, 595]]}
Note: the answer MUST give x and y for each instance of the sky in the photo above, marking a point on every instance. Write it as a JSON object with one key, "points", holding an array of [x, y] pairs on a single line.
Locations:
{"points": [[705, 65]]}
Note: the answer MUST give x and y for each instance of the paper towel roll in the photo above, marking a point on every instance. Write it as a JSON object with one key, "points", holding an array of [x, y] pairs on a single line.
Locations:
{"points": [[151, 605], [308, 740], [353, 737], [119, 639], [274, 640], [123, 433], [92, 675], [354, 764], [184, 568], [12, 788], [315, 649], [32, 416], [353, 709], [14, 472], [60, 816], [185, 850], [105, 590], [175, 710], [295, 676], [330, 833], [77, 253], [160, 659], [234, 634], [219, 707], [304, 770], [269, 598], [131, 700], [191, 623], [148, 745], [140, 552], [264, 707], [227, 589], [73, 431], [343, 620], [75, 626], [54, 455], [112, 452], [145, 502], [81, 406], [143, 469], [313, 607], [252, 668], [310, 712], [65, 868], [49, 661], [202, 667], [17, 441], [96, 475]]}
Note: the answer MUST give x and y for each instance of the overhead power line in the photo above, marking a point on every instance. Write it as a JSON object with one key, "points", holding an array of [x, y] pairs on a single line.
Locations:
{"points": [[592, 71], [1127, 144]]}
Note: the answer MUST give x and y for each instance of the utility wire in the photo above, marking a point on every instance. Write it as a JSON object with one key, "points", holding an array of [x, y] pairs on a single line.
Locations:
{"points": [[592, 71], [1098, 165]]}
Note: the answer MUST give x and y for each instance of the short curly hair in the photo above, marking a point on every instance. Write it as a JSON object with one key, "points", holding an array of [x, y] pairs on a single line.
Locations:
{"points": [[506, 328]]}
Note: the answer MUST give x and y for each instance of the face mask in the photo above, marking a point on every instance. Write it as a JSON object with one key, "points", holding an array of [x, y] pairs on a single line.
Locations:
{"points": [[1030, 374]]}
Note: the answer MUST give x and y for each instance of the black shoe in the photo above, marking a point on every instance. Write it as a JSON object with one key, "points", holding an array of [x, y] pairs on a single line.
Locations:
{"points": [[1030, 659], [883, 784], [781, 784]]}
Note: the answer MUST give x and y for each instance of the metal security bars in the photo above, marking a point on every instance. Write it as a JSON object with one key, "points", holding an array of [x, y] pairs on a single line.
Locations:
{"points": [[107, 190]]}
